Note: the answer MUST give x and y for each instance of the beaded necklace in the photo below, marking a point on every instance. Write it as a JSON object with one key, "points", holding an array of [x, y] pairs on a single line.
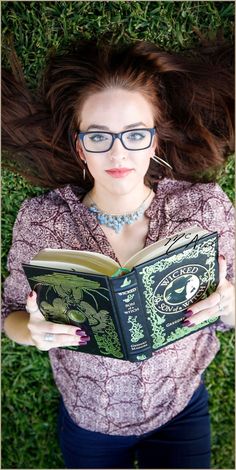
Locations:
{"points": [[117, 221]]}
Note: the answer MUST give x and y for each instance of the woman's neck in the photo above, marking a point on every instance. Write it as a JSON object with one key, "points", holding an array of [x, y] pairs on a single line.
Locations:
{"points": [[111, 203]]}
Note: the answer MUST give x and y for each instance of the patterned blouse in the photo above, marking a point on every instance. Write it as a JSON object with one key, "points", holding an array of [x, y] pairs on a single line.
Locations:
{"points": [[109, 395]]}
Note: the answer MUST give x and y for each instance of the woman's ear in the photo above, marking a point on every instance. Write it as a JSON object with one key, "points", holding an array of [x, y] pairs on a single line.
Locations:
{"points": [[79, 151], [154, 143], [153, 146]]}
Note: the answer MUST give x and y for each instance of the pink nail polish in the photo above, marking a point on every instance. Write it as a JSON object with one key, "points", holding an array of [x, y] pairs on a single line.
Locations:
{"points": [[84, 339], [31, 294], [82, 343], [188, 314], [188, 323], [222, 257], [80, 333]]}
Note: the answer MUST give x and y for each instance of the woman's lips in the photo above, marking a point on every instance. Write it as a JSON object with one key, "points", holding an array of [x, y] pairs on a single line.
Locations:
{"points": [[119, 172]]}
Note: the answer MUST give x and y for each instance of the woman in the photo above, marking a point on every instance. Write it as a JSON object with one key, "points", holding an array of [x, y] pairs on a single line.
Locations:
{"points": [[123, 131]]}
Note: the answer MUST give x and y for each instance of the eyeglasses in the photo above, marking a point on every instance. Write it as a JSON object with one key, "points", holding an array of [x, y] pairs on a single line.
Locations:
{"points": [[98, 142]]}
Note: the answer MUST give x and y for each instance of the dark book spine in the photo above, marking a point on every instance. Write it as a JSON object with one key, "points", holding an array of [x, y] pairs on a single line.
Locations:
{"points": [[132, 318]]}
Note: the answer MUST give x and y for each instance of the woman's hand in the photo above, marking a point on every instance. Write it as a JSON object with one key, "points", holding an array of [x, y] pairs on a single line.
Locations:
{"points": [[219, 304], [46, 335]]}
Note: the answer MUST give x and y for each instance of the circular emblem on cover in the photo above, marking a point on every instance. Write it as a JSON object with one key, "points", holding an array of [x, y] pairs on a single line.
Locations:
{"points": [[180, 288]]}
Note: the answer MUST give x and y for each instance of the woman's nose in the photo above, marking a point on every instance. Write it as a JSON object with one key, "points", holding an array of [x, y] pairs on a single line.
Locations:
{"points": [[118, 151]]}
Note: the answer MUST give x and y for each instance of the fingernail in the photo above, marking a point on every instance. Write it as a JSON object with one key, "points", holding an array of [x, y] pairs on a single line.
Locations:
{"points": [[188, 323], [82, 344], [31, 293], [188, 314], [80, 333], [84, 339], [222, 257]]}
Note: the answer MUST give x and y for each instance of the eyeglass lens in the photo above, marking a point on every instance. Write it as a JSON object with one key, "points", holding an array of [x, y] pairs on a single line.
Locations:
{"points": [[132, 140]]}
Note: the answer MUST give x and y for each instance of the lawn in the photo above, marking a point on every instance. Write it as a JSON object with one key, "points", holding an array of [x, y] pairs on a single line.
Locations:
{"points": [[29, 397]]}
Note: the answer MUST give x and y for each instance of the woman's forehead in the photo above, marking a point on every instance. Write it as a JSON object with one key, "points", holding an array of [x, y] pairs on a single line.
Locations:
{"points": [[119, 106]]}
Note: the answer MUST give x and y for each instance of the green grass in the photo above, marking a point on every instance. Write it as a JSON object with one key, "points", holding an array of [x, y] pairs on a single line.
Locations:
{"points": [[29, 396]]}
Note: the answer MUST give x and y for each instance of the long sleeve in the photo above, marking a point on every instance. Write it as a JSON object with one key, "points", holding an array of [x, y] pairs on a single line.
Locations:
{"points": [[24, 247], [44, 221]]}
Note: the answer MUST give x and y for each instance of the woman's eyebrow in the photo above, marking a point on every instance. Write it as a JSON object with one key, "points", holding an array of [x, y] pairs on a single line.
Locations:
{"points": [[105, 128]]}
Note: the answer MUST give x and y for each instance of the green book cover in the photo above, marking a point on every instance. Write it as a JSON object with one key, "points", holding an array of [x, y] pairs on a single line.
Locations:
{"points": [[134, 312]]}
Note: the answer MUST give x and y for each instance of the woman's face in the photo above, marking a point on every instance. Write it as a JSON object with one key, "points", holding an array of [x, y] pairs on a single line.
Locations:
{"points": [[117, 110], [192, 287]]}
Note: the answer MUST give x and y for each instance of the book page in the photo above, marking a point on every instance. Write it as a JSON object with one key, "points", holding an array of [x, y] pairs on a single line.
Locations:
{"points": [[97, 263], [84, 261], [165, 245]]}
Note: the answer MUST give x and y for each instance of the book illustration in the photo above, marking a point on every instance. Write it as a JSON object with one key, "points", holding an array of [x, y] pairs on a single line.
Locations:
{"points": [[141, 357], [70, 289], [109, 344], [136, 329], [100, 323], [184, 287], [178, 288], [68, 286], [183, 331], [58, 311], [129, 298], [71, 308], [126, 282]]}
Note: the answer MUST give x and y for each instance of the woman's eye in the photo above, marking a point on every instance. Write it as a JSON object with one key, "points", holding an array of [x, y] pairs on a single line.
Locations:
{"points": [[135, 136], [97, 137]]}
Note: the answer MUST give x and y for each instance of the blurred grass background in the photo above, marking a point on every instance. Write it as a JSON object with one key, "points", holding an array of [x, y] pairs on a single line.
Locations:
{"points": [[29, 396]]}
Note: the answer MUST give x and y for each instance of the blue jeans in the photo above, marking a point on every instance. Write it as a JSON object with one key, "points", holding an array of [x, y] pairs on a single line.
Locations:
{"points": [[183, 442]]}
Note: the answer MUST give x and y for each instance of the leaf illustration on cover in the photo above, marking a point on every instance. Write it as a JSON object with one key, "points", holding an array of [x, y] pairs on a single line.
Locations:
{"points": [[56, 310], [109, 343], [136, 329], [210, 260], [66, 281], [77, 294], [76, 315], [71, 287], [129, 298], [60, 291], [97, 320]]}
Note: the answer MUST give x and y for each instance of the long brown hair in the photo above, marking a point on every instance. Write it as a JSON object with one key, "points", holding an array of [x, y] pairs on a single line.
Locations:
{"points": [[192, 95]]}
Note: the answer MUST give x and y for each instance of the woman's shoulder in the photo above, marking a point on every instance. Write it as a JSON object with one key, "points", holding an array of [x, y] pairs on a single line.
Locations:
{"points": [[51, 200], [204, 204], [178, 186], [188, 193]]}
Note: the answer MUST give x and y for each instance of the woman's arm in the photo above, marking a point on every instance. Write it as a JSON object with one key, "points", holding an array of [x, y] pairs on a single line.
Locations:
{"points": [[16, 327]]}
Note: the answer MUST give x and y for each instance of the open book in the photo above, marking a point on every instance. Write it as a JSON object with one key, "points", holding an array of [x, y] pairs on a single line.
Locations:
{"points": [[132, 310]]}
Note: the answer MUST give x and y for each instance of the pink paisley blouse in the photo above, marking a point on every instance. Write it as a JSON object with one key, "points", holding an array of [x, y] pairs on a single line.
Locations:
{"points": [[109, 395]]}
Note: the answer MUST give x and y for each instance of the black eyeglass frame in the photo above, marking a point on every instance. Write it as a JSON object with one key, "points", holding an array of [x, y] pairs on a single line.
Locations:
{"points": [[114, 135]]}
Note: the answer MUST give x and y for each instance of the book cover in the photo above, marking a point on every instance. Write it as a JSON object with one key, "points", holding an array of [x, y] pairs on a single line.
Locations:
{"points": [[132, 315]]}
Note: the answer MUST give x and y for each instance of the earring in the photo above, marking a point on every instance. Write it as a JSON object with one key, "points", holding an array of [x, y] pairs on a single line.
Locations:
{"points": [[84, 171], [161, 161]]}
